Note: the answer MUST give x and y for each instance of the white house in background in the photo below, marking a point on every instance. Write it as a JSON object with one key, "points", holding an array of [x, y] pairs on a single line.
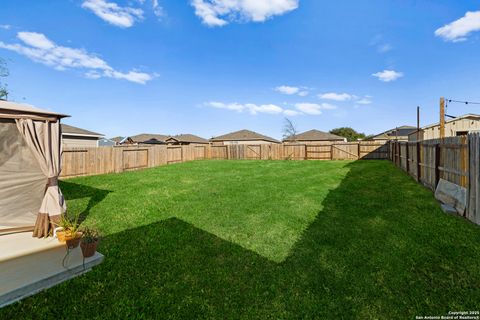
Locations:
{"points": [[458, 126], [74, 137]]}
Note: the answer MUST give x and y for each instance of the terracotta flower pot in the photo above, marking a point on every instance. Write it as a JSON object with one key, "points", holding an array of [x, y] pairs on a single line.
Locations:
{"points": [[61, 235], [89, 249], [73, 242]]}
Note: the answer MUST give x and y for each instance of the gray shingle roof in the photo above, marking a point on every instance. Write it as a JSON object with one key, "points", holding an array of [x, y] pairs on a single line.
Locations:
{"points": [[402, 131], [189, 138], [71, 130], [139, 138], [315, 135], [243, 135]]}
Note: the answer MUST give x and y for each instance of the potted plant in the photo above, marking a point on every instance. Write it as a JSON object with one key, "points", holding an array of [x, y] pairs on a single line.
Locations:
{"points": [[89, 242], [68, 231]]}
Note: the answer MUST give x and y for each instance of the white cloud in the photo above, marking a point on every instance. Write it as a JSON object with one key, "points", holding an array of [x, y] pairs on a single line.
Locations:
{"points": [[364, 101], [216, 13], [336, 96], [112, 13], [458, 30], [37, 47], [157, 9], [5, 26], [388, 75], [289, 90], [298, 108], [314, 108], [384, 48], [381, 45], [291, 113], [248, 107]]}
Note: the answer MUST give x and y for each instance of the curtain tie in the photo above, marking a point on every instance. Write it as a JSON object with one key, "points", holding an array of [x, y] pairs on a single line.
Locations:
{"points": [[52, 182]]}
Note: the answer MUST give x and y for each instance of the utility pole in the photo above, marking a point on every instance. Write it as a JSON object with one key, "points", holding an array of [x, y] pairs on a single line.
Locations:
{"points": [[418, 123], [442, 117]]}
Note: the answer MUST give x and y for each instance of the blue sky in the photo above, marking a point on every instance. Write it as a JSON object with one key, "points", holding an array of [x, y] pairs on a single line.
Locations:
{"points": [[208, 68]]}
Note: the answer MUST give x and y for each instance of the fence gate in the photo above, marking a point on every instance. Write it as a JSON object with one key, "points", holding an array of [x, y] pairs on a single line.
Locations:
{"points": [[318, 152], [253, 152], [345, 151]]}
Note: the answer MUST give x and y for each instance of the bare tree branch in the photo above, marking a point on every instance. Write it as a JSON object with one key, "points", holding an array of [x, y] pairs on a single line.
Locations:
{"points": [[289, 129]]}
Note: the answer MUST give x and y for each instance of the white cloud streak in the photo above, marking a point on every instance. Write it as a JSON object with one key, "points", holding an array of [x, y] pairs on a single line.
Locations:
{"points": [[254, 109], [37, 47], [248, 107], [364, 101], [290, 90], [114, 14], [217, 13], [157, 9], [313, 108], [460, 29], [388, 75], [336, 96]]}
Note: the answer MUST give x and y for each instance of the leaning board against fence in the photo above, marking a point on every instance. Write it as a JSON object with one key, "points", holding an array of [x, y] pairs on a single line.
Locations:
{"points": [[455, 159]]}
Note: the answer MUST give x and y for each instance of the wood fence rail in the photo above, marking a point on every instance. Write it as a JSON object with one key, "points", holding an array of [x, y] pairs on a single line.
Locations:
{"points": [[93, 161], [455, 159]]}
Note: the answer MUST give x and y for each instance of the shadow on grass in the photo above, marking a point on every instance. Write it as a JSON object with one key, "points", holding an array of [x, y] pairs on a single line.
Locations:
{"points": [[380, 248], [73, 191]]}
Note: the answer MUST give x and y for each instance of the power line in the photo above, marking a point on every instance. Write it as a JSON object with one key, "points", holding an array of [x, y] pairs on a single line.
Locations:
{"points": [[464, 102]]}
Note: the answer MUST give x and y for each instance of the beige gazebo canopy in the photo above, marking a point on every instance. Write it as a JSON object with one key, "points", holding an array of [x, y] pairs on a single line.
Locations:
{"points": [[30, 163]]}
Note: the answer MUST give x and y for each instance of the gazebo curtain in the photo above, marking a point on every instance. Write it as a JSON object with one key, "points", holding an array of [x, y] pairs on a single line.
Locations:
{"points": [[44, 140]]}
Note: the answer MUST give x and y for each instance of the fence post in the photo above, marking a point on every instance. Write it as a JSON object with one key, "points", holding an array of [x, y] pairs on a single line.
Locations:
{"points": [[306, 158], [437, 163], [358, 151], [331, 152], [408, 158], [418, 161]]}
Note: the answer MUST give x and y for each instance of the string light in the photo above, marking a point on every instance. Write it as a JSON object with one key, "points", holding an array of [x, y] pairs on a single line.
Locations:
{"points": [[464, 102]]}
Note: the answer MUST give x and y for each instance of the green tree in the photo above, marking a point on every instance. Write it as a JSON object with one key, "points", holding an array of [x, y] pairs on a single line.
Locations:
{"points": [[3, 74], [348, 133]]}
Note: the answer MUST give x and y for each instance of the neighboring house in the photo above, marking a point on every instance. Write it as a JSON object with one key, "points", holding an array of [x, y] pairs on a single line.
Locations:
{"points": [[117, 140], [315, 137], [242, 137], [399, 133], [145, 138], [186, 139], [416, 135], [104, 142], [74, 137], [458, 126]]}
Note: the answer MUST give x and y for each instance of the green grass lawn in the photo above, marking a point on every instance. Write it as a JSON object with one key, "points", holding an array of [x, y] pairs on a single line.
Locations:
{"points": [[266, 240]]}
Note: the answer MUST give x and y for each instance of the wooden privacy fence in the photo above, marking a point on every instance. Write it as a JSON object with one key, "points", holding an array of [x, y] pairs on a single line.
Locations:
{"points": [[93, 161], [455, 159]]}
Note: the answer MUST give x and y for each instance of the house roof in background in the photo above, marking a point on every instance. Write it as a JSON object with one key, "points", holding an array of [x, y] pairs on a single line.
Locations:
{"points": [[74, 131], [314, 135], [149, 137], [402, 131], [465, 116], [28, 109], [243, 135], [189, 138], [117, 139]]}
